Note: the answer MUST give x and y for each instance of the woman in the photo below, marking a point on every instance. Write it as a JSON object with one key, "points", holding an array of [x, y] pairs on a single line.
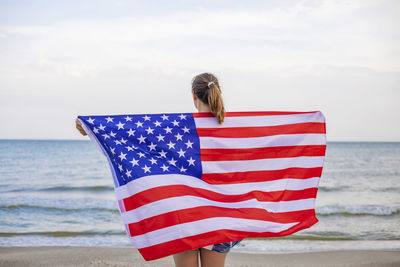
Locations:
{"points": [[207, 98]]}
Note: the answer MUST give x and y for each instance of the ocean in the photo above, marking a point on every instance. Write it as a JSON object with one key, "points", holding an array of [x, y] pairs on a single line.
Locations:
{"points": [[60, 193]]}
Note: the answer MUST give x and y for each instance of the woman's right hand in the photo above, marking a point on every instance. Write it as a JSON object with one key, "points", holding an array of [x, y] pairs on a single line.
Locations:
{"points": [[79, 127]]}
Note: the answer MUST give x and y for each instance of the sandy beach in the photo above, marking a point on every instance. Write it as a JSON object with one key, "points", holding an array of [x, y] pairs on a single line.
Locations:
{"points": [[106, 256]]}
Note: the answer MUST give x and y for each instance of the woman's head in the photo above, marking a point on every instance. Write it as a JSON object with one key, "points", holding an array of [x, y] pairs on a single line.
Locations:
{"points": [[206, 88]]}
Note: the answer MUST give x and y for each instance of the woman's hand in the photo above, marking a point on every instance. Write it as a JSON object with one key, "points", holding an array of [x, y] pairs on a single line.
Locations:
{"points": [[79, 127]]}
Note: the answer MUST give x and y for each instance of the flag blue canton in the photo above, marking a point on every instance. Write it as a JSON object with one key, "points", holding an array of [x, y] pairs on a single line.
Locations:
{"points": [[148, 144]]}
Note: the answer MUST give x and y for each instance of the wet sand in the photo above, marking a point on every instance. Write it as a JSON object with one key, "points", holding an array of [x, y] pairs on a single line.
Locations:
{"points": [[111, 256]]}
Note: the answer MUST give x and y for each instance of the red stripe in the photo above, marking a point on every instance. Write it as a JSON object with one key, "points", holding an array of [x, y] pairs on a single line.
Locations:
{"points": [[244, 132], [261, 153], [163, 192], [199, 213], [214, 237], [250, 113], [261, 176]]}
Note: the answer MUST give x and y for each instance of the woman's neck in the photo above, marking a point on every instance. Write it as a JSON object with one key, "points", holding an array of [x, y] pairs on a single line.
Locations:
{"points": [[202, 107]]}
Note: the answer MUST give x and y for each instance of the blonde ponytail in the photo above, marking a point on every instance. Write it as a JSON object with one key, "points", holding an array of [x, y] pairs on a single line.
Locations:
{"points": [[215, 102]]}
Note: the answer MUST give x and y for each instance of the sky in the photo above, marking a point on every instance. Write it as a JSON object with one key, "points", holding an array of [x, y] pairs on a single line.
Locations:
{"points": [[61, 59]]}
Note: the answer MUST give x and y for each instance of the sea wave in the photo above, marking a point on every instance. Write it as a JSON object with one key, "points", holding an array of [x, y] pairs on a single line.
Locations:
{"points": [[50, 208], [105, 233], [62, 233], [307, 237], [334, 188], [360, 210], [57, 203], [321, 237], [78, 188], [346, 188], [61, 188]]}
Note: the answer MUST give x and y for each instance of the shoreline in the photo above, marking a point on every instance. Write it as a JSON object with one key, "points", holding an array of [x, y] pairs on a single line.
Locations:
{"points": [[122, 256]]}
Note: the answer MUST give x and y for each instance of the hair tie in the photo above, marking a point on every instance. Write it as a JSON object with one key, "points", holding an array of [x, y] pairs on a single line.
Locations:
{"points": [[209, 83]]}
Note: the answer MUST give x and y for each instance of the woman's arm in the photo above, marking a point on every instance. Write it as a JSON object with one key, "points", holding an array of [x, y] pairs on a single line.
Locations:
{"points": [[79, 127]]}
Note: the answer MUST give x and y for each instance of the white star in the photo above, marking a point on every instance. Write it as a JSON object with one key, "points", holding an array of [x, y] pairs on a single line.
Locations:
{"points": [[165, 168], [112, 150], [131, 132], [146, 169], [133, 147], [101, 127], [146, 118], [117, 142], [128, 173], [120, 125], [189, 144], [178, 137], [160, 137], [183, 169], [168, 130], [120, 167], [181, 153], [185, 130], [106, 136], [129, 148], [153, 161], [175, 123], [163, 154], [164, 117], [152, 146], [112, 134], [141, 155], [127, 118], [90, 120], [157, 123], [122, 156], [171, 145], [123, 140], [172, 161], [141, 139], [95, 130], [134, 162], [183, 117], [109, 119], [139, 124], [149, 130], [191, 161]]}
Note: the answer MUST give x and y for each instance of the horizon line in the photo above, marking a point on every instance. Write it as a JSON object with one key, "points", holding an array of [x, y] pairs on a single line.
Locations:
{"points": [[66, 139]]}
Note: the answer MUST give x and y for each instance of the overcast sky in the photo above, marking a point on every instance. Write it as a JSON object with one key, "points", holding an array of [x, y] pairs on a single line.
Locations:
{"points": [[60, 59]]}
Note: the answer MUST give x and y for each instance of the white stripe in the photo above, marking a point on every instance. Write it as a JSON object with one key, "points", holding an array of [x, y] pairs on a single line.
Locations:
{"points": [[148, 182], [254, 121], [264, 141], [185, 202], [98, 143], [209, 247], [204, 226], [261, 164]]}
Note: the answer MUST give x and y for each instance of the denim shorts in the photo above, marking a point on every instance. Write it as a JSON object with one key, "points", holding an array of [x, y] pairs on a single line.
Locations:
{"points": [[222, 247]]}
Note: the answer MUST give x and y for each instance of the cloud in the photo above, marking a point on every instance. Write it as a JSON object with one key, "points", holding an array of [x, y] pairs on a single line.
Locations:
{"points": [[295, 55], [24, 30]]}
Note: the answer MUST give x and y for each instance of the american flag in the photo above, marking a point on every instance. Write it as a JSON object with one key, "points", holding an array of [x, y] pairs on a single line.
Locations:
{"points": [[182, 181]]}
